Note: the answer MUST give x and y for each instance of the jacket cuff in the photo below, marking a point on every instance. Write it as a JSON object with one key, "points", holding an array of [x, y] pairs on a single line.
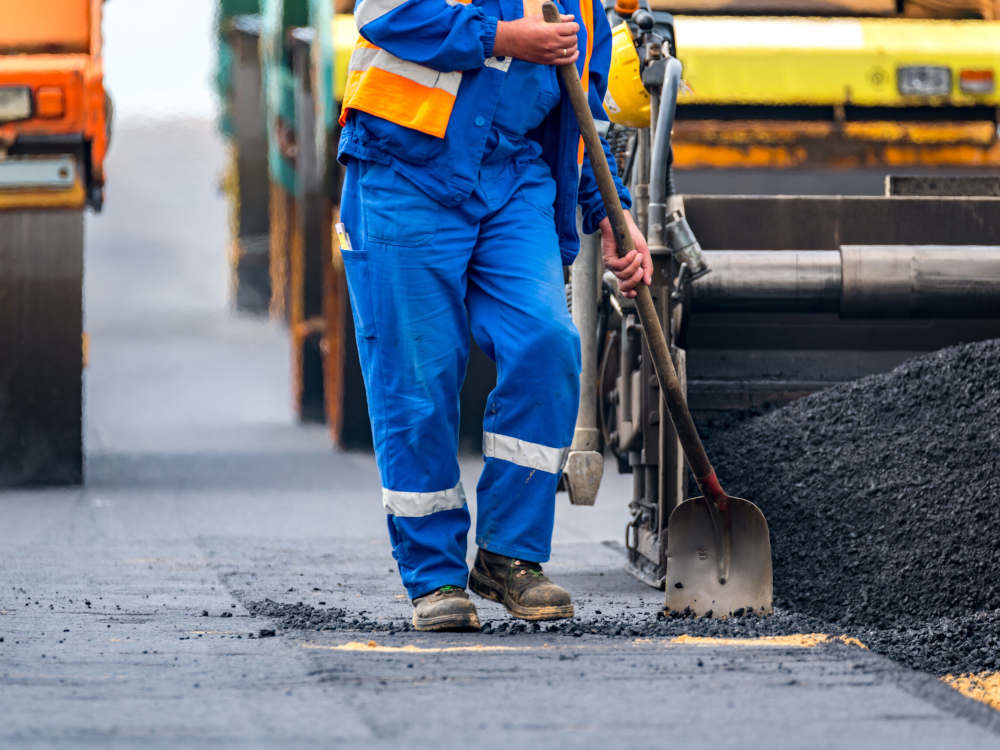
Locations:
{"points": [[600, 213], [488, 36]]}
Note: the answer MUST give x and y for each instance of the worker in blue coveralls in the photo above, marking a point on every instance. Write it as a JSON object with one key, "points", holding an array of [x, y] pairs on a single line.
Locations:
{"points": [[464, 170]]}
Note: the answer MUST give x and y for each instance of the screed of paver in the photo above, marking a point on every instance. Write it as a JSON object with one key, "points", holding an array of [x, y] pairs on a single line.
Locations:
{"points": [[983, 687]]}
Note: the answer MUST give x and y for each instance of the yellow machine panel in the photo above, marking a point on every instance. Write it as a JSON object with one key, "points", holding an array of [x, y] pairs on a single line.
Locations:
{"points": [[783, 61], [896, 92], [771, 62]]}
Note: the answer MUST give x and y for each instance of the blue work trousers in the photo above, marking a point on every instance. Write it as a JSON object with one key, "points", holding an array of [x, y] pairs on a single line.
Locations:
{"points": [[421, 278]]}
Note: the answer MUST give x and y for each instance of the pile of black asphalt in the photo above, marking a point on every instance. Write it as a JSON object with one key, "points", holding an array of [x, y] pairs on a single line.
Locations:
{"points": [[883, 501]]}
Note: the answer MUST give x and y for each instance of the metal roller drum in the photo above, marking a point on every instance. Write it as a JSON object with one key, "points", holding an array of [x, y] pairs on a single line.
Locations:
{"points": [[767, 281], [858, 281], [921, 281], [41, 357]]}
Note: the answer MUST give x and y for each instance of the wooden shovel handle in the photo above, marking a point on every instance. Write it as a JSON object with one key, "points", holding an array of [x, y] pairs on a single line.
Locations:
{"points": [[670, 385]]}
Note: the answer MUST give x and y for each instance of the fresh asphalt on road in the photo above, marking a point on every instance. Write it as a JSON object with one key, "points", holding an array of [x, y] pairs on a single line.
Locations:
{"points": [[122, 604]]}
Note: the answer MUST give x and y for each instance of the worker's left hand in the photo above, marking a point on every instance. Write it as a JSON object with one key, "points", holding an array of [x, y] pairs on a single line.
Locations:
{"points": [[633, 269]]}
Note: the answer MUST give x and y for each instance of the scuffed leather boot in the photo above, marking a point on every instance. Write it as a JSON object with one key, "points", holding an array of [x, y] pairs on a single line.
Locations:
{"points": [[446, 608], [520, 586]]}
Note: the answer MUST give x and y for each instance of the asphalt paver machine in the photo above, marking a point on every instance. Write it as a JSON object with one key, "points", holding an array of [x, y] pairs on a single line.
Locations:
{"points": [[763, 298], [54, 132]]}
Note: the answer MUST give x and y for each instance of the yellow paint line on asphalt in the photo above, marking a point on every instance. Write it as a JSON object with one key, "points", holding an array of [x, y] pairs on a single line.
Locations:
{"points": [[797, 640], [983, 687], [373, 647]]}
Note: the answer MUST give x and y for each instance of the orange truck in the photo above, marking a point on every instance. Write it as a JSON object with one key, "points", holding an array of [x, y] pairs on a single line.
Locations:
{"points": [[54, 130]]}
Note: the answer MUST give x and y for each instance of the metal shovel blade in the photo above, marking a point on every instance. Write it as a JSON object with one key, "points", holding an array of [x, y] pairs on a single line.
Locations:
{"points": [[718, 562]]}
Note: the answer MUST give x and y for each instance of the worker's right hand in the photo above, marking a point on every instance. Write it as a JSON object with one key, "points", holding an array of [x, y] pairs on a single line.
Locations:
{"points": [[632, 269], [532, 39]]}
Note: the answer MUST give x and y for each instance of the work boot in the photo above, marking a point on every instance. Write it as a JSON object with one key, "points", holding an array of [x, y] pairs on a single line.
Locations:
{"points": [[446, 608], [520, 586]]}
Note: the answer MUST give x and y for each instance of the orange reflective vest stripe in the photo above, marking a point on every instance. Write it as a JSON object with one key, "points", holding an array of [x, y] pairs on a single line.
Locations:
{"points": [[411, 95], [405, 93]]}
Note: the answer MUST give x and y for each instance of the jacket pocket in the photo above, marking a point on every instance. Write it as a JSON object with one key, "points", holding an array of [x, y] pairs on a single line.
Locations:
{"points": [[357, 269]]}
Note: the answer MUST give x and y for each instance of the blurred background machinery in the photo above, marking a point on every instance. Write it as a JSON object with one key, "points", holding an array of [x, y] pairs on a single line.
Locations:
{"points": [[279, 111], [282, 69], [54, 131]]}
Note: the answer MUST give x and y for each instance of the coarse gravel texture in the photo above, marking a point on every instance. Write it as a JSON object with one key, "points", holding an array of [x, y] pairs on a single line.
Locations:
{"points": [[301, 616], [881, 493], [883, 500]]}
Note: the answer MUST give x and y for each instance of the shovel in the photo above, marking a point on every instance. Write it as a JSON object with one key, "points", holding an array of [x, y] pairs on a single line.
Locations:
{"points": [[718, 548]]}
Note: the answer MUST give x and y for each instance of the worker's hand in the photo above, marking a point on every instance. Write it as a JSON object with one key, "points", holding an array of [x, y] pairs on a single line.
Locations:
{"points": [[532, 39], [636, 267]]}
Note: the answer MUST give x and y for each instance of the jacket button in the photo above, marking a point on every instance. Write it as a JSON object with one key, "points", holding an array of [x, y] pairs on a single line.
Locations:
{"points": [[480, 121]]}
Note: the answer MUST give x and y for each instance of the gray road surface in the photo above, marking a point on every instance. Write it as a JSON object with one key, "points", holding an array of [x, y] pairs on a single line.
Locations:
{"points": [[203, 495]]}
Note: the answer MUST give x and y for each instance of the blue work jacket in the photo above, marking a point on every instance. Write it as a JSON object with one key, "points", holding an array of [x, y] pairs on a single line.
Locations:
{"points": [[459, 37]]}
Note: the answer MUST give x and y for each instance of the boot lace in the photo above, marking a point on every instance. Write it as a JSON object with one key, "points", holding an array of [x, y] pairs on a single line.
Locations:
{"points": [[532, 569]]}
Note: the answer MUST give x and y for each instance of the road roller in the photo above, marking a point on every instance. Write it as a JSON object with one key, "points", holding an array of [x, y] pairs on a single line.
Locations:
{"points": [[54, 132]]}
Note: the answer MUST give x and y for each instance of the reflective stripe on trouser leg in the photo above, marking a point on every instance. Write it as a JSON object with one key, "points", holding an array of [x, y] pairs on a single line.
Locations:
{"points": [[416, 504], [524, 453], [406, 276], [517, 306]]}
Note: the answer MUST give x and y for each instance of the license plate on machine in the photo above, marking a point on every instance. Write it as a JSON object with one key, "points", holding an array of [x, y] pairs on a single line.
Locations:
{"points": [[924, 80], [53, 172], [15, 103]]}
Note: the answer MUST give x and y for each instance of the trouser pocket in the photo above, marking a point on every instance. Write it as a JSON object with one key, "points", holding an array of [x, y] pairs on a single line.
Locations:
{"points": [[357, 269]]}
